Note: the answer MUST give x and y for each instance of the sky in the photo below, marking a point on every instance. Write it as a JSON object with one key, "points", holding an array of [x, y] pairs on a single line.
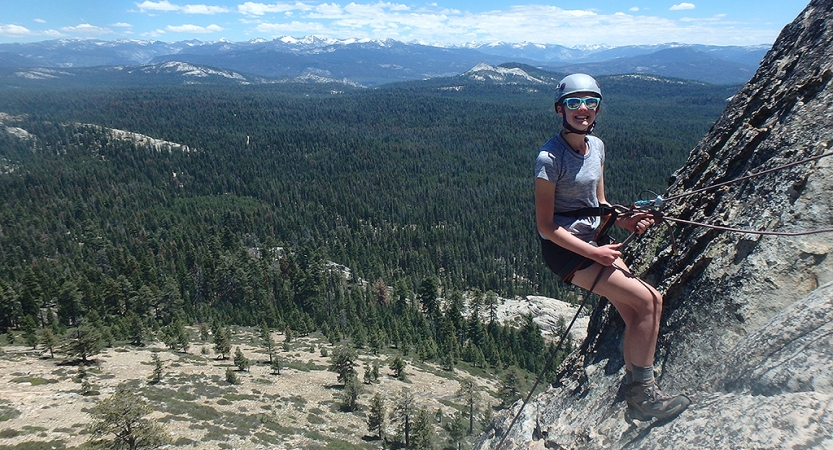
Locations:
{"points": [[443, 22]]}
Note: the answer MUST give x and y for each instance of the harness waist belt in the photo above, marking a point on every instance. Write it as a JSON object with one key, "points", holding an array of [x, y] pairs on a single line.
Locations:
{"points": [[601, 210]]}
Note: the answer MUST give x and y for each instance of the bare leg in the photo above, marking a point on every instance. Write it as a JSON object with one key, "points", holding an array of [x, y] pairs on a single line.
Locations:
{"points": [[639, 304]]}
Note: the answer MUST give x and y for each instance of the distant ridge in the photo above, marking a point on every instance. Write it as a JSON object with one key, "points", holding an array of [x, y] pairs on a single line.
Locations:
{"points": [[370, 62]]}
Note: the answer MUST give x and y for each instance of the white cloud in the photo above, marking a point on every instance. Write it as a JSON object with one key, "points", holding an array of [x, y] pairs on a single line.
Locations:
{"points": [[204, 9], [40, 21], [259, 9], [154, 34], [332, 11], [14, 31], [164, 5], [87, 30], [682, 7], [433, 23], [121, 25], [188, 28], [167, 6]]}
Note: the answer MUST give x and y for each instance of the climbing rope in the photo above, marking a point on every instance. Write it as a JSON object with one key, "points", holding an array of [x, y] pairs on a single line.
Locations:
{"points": [[744, 178], [741, 230], [641, 206], [659, 202], [550, 359]]}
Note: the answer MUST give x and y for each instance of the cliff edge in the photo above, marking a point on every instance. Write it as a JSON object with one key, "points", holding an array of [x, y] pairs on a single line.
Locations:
{"points": [[747, 326]]}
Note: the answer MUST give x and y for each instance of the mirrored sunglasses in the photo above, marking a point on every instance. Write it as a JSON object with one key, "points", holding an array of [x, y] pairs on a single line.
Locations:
{"points": [[573, 103]]}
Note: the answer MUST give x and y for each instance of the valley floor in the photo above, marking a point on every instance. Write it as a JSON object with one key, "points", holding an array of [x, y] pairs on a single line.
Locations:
{"points": [[41, 405]]}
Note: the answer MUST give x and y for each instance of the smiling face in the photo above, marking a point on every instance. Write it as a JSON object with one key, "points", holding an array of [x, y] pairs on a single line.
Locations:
{"points": [[581, 118]]}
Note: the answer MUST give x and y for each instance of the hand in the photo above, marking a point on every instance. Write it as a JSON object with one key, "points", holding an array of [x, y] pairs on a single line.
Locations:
{"points": [[638, 222], [606, 255]]}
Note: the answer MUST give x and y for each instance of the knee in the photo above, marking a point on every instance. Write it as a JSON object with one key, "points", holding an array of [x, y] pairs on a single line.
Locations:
{"points": [[650, 304]]}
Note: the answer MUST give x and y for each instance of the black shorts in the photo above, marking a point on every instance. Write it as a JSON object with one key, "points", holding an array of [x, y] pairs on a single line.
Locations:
{"points": [[563, 262]]}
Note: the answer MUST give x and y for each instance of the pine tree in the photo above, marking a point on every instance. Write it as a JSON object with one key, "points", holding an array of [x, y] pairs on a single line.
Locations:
{"points": [[429, 296], [374, 371], [368, 374], [275, 365], [136, 329], [403, 414], [350, 395], [30, 331], [397, 366], [158, 368], [48, 341], [468, 393], [240, 360], [456, 428], [342, 362], [376, 340], [510, 385], [422, 431], [84, 341], [231, 376], [491, 304], [376, 416], [359, 336], [266, 339], [222, 341], [167, 338], [84, 378], [204, 332], [123, 416], [447, 362], [183, 340]]}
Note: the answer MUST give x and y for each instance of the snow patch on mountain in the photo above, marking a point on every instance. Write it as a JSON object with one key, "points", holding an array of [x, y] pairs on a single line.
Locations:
{"points": [[41, 73], [196, 71], [484, 72], [313, 78]]}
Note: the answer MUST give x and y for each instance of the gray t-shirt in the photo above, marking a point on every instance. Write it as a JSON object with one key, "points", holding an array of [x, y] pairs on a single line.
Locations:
{"points": [[576, 178]]}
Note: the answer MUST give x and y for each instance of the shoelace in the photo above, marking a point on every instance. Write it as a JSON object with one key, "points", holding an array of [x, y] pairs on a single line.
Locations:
{"points": [[655, 394]]}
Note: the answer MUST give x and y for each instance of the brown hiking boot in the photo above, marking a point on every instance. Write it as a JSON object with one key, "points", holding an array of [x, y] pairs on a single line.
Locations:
{"points": [[646, 401]]}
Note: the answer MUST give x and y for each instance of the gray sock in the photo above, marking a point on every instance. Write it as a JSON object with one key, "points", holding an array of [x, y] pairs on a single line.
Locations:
{"points": [[643, 374]]}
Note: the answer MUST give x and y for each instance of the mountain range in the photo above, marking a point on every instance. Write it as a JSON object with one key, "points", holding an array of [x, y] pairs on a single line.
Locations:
{"points": [[351, 61]]}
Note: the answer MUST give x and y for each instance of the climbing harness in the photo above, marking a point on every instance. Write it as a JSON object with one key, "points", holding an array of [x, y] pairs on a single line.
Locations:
{"points": [[602, 237], [652, 208]]}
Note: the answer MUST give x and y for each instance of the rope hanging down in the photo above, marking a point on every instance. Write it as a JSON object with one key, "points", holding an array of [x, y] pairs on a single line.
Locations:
{"points": [[639, 206]]}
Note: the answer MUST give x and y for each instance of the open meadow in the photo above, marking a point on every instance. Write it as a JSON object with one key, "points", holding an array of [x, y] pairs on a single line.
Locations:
{"points": [[42, 405]]}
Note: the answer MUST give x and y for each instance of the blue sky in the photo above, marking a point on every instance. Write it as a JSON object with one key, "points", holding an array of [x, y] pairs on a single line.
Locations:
{"points": [[455, 22]]}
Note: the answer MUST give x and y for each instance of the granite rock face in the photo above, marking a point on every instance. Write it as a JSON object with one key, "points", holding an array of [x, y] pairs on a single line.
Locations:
{"points": [[747, 326]]}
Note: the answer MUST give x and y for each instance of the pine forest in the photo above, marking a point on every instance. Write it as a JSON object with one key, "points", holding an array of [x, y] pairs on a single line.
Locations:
{"points": [[390, 218]]}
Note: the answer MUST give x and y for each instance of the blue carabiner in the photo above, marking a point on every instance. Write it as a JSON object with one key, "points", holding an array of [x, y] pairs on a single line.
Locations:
{"points": [[656, 203]]}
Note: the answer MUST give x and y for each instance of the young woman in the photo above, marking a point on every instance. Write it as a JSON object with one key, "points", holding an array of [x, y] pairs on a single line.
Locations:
{"points": [[569, 204]]}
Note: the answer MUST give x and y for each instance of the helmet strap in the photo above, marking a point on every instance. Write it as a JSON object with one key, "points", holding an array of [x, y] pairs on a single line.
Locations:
{"points": [[571, 129]]}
